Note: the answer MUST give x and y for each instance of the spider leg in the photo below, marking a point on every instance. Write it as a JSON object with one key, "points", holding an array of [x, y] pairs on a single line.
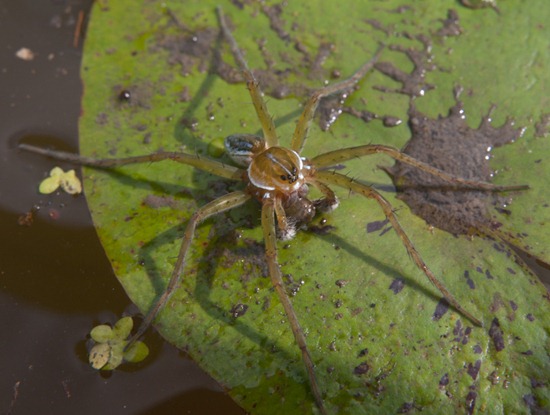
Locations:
{"points": [[268, 226], [348, 183], [287, 229], [337, 156], [304, 122], [252, 84], [329, 202], [211, 166], [221, 204]]}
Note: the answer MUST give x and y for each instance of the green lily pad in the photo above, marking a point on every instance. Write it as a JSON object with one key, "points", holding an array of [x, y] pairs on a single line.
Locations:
{"points": [[152, 81]]}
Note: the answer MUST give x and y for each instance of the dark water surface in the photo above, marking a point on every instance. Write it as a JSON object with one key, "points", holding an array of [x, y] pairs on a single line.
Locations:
{"points": [[55, 281]]}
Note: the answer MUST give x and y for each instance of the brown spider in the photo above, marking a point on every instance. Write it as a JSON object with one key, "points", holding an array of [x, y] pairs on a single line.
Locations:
{"points": [[279, 178]]}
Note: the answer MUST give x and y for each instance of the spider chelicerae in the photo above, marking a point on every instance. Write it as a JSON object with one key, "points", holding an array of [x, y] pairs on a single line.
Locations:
{"points": [[279, 179]]}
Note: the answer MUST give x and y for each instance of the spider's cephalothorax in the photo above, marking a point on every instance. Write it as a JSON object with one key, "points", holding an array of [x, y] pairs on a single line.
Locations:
{"points": [[277, 173], [270, 169], [278, 177]]}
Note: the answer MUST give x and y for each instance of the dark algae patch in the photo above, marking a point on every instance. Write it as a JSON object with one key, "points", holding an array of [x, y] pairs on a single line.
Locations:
{"points": [[413, 83], [449, 144]]}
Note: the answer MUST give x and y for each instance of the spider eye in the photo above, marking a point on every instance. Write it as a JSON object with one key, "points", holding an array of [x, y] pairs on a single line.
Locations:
{"points": [[283, 177]]}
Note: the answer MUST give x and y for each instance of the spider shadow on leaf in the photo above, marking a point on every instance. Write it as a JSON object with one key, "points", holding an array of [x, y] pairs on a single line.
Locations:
{"points": [[154, 186], [388, 272], [199, 282]]}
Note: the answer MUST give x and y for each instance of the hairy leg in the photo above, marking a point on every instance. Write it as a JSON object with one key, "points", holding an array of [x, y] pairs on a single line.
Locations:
{"points": [[337, 156], [210, 166], [266, 121], [268, 225], [348, 183], [221, 204], [304, 122]]}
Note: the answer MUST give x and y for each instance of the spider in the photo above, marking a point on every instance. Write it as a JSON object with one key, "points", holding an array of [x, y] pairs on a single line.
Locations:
{"points": [[279, 179]]}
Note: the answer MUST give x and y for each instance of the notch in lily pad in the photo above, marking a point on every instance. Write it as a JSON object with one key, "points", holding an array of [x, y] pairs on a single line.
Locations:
{"points": [[109, 349], [68, 181]]}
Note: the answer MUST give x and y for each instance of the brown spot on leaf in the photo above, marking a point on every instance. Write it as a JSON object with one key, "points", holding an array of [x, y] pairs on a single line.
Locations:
{"points": [[444, 381], [341, 283], [451, 25], [156, 202], [276, 23], [397, 285], [480, 4], [361, 369], [496, 334], [449, 144], [462, 334], [238, 310], [412, 83], [469, 281], [391, 121], [471, 401], [135, 95], [543, 126], [473, 369], [440, 309], [125, 95], [407, 407], [494, 378], [189, 50]]}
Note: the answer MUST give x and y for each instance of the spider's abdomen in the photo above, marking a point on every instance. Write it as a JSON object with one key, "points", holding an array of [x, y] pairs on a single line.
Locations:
{"points": [[277, 169]]}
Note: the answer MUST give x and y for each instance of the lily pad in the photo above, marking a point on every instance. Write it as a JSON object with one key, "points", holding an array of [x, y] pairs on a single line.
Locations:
{"points": [[158, 76]]}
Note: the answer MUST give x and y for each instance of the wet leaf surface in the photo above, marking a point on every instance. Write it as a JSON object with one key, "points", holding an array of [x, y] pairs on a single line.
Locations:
{"points": [[157, 76]]}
